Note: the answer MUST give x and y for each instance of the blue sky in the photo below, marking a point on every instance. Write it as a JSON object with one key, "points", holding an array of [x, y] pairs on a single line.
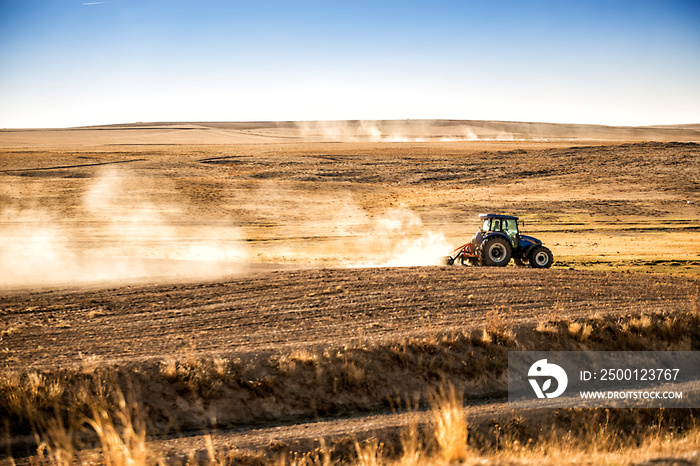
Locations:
{"points": [[66, 63]]}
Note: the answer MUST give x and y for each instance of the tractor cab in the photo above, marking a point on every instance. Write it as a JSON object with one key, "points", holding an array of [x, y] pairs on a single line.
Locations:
{"points": [[505, 224]]}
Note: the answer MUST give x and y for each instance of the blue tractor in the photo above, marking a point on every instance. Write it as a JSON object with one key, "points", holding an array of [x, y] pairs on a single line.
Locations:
{"points": [[497, 241]]}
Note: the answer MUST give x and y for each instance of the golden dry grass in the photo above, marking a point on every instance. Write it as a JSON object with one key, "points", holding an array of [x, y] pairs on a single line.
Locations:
{"points": [[450, 424], [105, 414], [122, 440]]}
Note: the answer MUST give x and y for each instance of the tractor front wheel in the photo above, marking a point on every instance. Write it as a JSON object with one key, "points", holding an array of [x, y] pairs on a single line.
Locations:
{"points": [[496, 251], [541, 258]]}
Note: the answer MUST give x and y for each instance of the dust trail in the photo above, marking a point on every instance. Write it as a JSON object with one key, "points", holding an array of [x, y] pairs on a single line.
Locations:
{"points": [[114, 233], [404, 131], [348, 131], [121, 226], [332, 228], [398, 239], [361, 131]]}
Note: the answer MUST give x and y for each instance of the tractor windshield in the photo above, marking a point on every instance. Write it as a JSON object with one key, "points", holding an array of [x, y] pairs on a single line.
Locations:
{"points": [[510, 227], [507, 226]]}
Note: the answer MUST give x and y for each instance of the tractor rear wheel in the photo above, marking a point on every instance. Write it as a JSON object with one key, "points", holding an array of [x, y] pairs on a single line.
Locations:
{"points": [[496, 251], [541, 258]]}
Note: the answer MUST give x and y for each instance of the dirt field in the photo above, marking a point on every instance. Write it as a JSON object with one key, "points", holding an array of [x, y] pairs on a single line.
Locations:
{"points": [[290, 310], [112, 211], [222, 261]]}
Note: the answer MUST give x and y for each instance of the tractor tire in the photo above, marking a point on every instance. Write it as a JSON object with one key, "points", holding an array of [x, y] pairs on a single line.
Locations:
{"points": [[496, 252], [541, 258]]}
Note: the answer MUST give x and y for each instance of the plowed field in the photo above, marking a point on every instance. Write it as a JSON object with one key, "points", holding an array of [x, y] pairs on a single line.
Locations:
{"points": [[285, 310]]}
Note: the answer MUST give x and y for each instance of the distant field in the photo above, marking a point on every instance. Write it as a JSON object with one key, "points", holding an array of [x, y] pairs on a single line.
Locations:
{"points": [[340, 131], [148, 207]]}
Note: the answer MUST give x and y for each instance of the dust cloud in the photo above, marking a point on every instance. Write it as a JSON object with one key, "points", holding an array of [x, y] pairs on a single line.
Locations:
{"points": [[336, 228], [123, 227], [398, 238], [115, 232], [407, 131], [359, 131]]}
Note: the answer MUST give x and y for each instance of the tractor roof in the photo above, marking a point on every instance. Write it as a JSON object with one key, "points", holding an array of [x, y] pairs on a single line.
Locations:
{"points": [[504, 217]]}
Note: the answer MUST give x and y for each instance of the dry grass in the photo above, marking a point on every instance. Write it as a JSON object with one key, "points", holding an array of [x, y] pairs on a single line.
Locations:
{"points": [[289, 362], [169, 368], [412, 447], [498, 329], [602, 445], [595, 441], [574, 328], [319, 457], [586, 331], [57, 442], [104, 413], [641, 323], [545, 327], [121, 429], [450, 424], [66, 409], [304, 356], [580, 331], [485, 337], [354, 375], [369, 453]]}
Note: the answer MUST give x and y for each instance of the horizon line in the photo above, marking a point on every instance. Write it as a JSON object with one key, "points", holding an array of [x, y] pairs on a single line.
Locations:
{"points": [[146, 123]]}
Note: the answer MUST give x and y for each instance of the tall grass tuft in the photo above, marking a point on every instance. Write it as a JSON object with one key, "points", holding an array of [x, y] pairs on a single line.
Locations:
{"points": [[121, 429], [411, 446], [369, 453], [57, 441], [450, 424]]}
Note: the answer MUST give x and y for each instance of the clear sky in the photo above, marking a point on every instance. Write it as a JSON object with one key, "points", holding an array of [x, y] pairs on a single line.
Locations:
{"points": [[69, 63]]}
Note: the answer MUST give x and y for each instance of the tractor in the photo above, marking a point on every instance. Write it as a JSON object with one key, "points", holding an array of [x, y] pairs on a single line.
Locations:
{"points": [[497, 241]]}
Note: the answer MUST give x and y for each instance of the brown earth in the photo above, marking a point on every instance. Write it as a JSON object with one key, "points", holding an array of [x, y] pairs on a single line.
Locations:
{"points": [[277, 312], [111, 212], [160, 244]]}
